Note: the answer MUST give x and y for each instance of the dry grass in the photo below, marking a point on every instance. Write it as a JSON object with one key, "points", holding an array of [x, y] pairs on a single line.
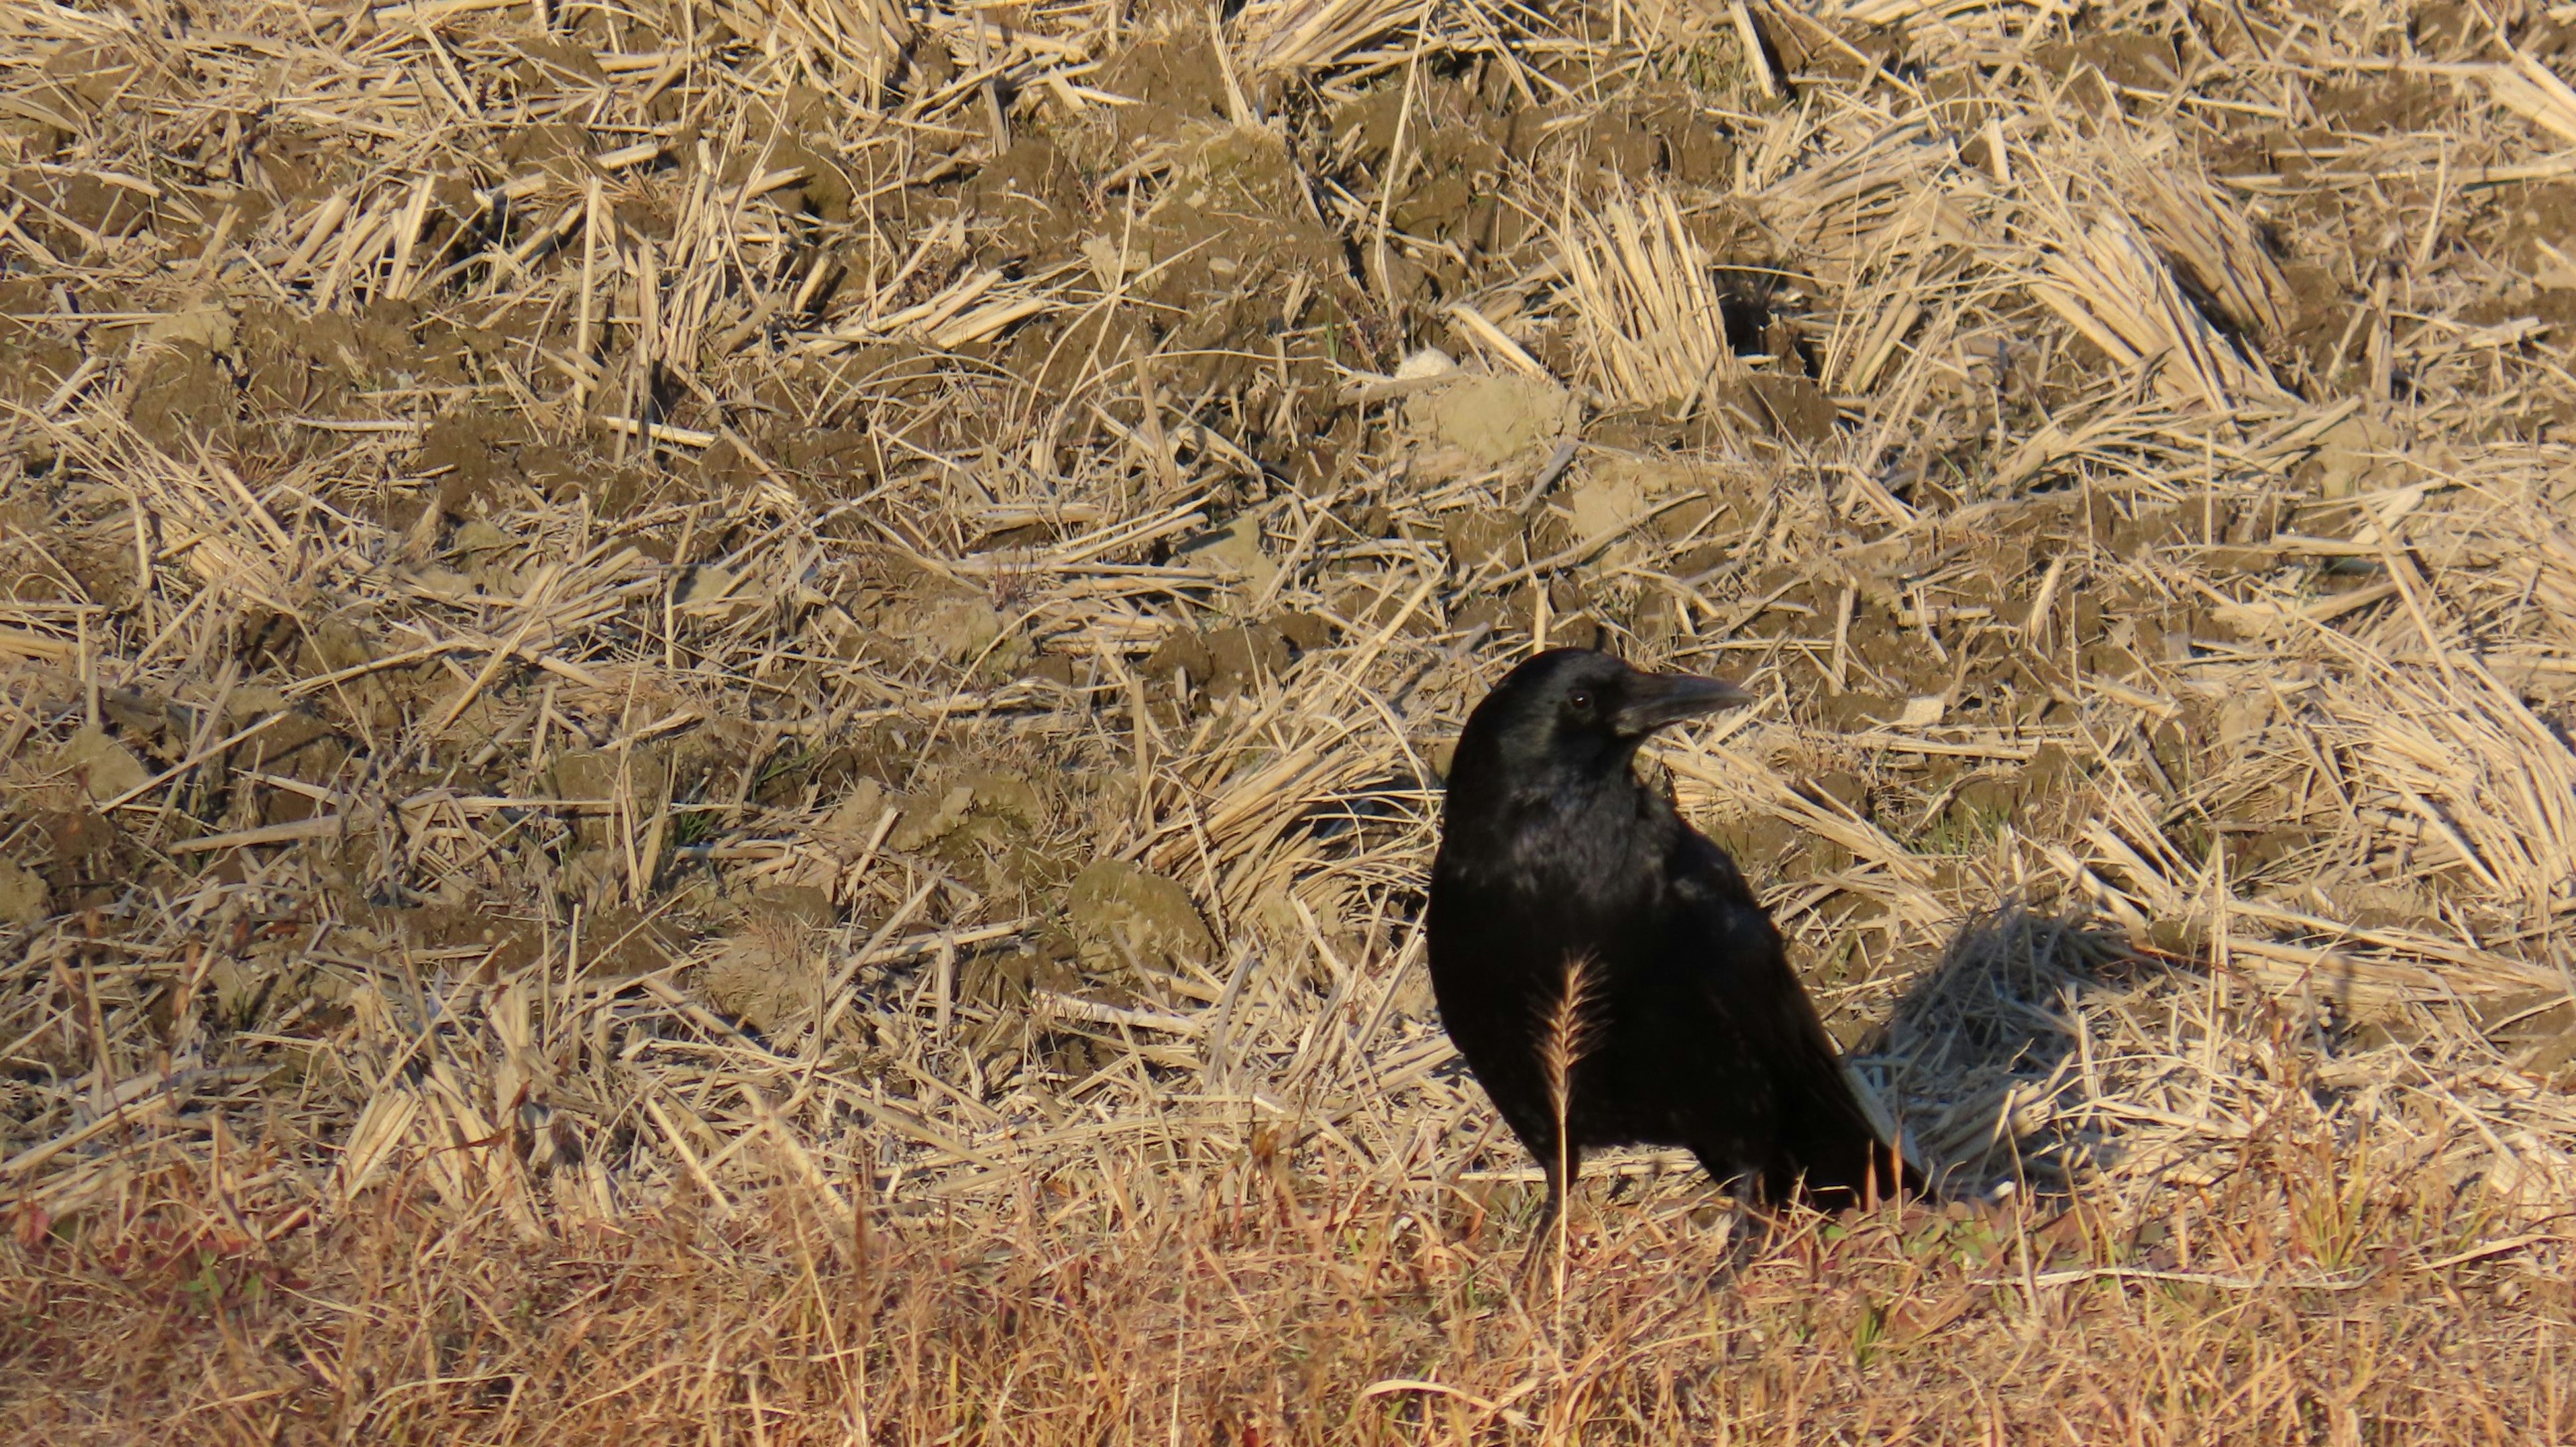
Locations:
{"points": [[722, 719], [1247, 1304]]}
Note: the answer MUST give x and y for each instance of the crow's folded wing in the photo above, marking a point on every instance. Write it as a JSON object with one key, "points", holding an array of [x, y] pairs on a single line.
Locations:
{"points": [[1723, 941]]}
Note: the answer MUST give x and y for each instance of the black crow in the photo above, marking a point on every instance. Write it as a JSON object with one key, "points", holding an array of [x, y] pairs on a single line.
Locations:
{"points": [[1690, 1029]]}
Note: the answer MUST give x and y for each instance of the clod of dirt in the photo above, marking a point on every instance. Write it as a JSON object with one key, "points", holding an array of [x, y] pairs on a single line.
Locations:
{"points": [[771, 974], [1055, 668], [85, 847], [1759, 842], [1179, 72], [1812, 48], [24, 900], [709, 591], [478, 541], [1126, 915], [1438, 755], [963, 628], [1231, 551], [1235, 224], [2242, 719], [1605, 503], [1241, 656], [2535, 1028], [1433, 207], [333, 643], [105, 767], [1611, 146], [763, 981], [485, 456], [591, 775], [1843, 787], [2447, 31], [1375, 600], [178, 390], [1306, 631], [32, 365], [210, 327], [240, 987], [2253, 852], [2388, 104], [827, 453], [28, 139], [482, 548], [1112, 264], [1517, 611], [1982, 802], [825, 192], [1616, 495], [1477, 536], [798, 904], [989, 820], [2550, 1058], [544, 55], [1365, 126], [511, 943], [988, 804], [2051, 769], [1242, 170], [1486, 421], [559, 147], [1850, 712], [1026, 200], [103, 572], [1182, 652], [1694, 151], [299, 742], [84, 201], [92, 73], [726, 469], [1791, 407], [2538, 221], [2352, 456], [930, 818], [853, 821], [467, 449], [2094, 65]]}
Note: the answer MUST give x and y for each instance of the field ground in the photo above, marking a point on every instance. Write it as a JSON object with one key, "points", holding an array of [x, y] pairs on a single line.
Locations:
{"points": [[721, 720]]}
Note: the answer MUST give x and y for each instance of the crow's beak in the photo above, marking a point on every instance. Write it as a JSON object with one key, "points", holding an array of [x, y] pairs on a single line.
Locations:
{"points": [[1657, 699]]}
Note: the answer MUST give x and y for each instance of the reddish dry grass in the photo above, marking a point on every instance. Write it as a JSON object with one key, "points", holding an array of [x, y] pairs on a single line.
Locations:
{"points": [[2292, 1302]]}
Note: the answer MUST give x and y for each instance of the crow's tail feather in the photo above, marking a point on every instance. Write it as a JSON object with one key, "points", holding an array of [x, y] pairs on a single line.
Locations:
{"points": [[1859, 1173], [1830, 1154]]}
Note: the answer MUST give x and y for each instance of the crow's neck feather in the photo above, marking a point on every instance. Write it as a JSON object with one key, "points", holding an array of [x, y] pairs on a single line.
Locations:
{"points": [[1589, 830]]}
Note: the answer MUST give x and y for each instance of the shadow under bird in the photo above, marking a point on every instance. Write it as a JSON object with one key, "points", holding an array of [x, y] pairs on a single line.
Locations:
{"points": [[1576, 921]]}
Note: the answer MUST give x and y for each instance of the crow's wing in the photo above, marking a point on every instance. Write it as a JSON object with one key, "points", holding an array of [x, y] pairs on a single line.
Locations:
{"points": [[1736, 959]]}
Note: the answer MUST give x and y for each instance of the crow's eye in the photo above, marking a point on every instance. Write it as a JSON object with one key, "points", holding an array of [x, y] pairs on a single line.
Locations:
{"points": [[1580, 700]]}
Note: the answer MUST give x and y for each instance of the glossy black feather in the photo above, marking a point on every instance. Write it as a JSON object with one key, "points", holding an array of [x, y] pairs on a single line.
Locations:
{"points": [[1700, 1035]]}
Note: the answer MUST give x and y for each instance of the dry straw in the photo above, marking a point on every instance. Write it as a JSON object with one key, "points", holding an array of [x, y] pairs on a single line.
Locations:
{"points": [[1644, 301]]}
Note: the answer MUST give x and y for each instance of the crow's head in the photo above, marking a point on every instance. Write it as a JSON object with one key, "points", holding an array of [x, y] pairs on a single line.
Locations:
{"points": [[1575, 711]]}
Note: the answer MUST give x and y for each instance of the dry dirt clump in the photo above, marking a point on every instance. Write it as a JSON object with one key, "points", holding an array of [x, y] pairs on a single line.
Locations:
{"points": [[728, 715]]}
